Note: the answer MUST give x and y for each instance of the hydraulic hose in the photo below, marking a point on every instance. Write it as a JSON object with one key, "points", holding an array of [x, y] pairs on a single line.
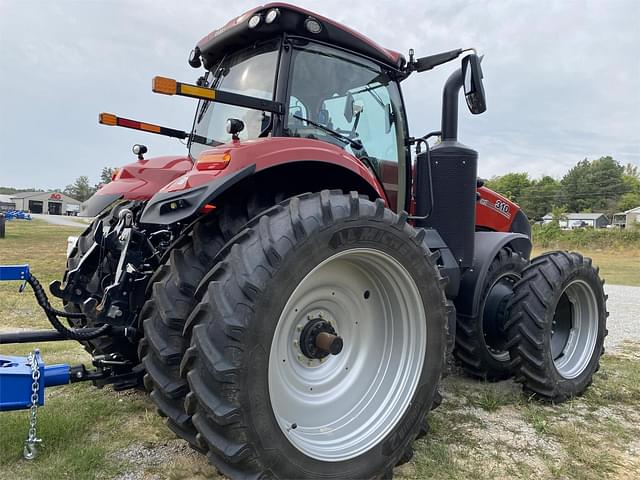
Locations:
{"points": [[52, 314]]}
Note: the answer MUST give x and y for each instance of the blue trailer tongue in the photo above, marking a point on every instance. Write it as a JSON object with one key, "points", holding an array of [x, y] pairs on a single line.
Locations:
{"points": [[17, 382], [14, 272], [22, 384], [23, 380]]}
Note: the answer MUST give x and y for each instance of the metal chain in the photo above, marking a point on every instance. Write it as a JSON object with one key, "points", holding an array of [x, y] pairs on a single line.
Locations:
{"points": [[30, 450]]}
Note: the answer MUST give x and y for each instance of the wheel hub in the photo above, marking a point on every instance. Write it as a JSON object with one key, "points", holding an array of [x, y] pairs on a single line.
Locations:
{"points": [[319, 339], [495, 315], [357, 388]]}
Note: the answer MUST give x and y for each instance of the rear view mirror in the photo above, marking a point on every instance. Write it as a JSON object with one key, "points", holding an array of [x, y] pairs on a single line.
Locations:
{"points": [[389, 118], [472, 82], [348, 107]]}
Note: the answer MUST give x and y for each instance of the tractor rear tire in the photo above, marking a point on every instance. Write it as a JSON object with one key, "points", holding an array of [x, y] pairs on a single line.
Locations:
{"points": [[267, 403], [557, 325], [481, 341], [162, 319], [102, 345], [170, 302]]}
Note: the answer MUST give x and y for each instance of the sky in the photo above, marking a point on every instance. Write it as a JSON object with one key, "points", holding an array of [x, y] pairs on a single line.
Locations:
{"points": [[562, 77]]}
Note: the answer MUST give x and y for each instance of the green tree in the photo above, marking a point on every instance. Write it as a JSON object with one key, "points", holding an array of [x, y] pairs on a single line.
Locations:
{"points": [[10, 190], [631, 170], [629, 201], [557, 214], [540, 197], [593, 185], [511, 185], [81, 189], [105, 176], [631, 182]]}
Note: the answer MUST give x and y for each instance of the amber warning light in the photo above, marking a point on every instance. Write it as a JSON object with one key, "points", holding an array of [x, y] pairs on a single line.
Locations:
{"points": [[213, 160], [108, 119], [167, 86]]}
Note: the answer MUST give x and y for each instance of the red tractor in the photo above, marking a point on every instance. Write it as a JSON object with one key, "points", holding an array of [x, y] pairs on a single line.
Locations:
{"points": [[290, 318]]}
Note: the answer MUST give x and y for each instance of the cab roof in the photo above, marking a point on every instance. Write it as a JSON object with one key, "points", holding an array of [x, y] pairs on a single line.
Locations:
{"points": [[291, 19]]}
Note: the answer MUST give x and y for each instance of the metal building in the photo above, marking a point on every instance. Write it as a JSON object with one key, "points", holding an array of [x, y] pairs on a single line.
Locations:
{"points": [[53, 203], [6, 203]]}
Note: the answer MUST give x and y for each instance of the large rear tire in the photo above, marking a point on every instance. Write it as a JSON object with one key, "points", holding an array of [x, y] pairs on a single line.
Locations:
{"points": [[481, 341], [266, 401], [557, 325], [172, 300]]}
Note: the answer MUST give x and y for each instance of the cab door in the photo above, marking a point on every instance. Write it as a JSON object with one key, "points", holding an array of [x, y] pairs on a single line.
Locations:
{"points": [[357, 98]]}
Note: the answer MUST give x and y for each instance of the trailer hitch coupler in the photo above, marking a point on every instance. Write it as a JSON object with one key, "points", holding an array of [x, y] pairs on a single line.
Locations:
{"points": [[16, 380]]}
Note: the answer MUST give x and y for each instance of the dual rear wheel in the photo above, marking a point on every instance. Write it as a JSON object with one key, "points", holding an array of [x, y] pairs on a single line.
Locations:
{"points": [[557, 325], [543, 322]]}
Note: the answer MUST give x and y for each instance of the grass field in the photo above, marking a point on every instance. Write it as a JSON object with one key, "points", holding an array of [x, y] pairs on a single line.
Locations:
{"points": [[617, 266], [481, 431]]}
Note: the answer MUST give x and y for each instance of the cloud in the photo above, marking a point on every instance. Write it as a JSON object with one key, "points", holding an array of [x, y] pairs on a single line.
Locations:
{"points": [[561, 77]]}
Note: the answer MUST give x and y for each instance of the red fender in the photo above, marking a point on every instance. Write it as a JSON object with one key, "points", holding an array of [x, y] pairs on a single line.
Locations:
{"points": [[275, 151]]}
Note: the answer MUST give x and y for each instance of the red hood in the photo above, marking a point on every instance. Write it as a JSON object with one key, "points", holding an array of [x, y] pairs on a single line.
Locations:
{"points": [[142, 179]]}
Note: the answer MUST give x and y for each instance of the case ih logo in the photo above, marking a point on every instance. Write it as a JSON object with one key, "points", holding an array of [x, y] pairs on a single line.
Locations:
{"points": [[55, 196]]}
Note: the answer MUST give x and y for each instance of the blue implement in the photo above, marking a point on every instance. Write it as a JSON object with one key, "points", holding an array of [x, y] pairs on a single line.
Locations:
{"points": [[14, 272], [16, 380]]}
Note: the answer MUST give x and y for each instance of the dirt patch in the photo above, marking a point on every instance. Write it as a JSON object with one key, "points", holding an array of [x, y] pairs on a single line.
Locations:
{"points": [[508, 438], [158, 461]]}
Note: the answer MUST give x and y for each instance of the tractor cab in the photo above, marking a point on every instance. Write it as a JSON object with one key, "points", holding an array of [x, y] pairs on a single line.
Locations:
{"points": [[345, 93]]}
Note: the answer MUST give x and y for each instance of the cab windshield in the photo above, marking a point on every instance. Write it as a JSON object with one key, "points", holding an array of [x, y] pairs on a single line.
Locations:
{"points": [[249, 72]]}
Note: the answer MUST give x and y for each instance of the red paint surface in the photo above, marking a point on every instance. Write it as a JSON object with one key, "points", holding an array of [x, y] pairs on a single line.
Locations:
{"points": [[392, 55], [143, 179], [491, 217], [269, 152]]}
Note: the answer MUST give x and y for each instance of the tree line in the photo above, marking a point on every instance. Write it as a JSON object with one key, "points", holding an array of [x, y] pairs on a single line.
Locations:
{"points": [[602, 185], [82, 189]]}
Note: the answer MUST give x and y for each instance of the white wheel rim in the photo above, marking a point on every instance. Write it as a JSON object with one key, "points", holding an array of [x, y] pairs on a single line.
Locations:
{"points": [[339, 407], [574, 332]]}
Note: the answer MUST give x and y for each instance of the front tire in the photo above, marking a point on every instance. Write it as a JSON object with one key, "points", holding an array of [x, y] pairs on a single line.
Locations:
{"points": [[263, 400]]}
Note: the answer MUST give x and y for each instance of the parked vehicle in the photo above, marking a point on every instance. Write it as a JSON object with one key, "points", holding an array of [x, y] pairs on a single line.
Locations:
{"points": [[17, 215], [291, 285]]}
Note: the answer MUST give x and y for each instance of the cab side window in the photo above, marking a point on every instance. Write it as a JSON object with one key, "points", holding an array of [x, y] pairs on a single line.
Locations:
{"points": [[354, 98]]}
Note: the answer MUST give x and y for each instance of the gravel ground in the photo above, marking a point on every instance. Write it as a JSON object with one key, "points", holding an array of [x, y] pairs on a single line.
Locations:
{"points": [[63, 220], [624, 314]]}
